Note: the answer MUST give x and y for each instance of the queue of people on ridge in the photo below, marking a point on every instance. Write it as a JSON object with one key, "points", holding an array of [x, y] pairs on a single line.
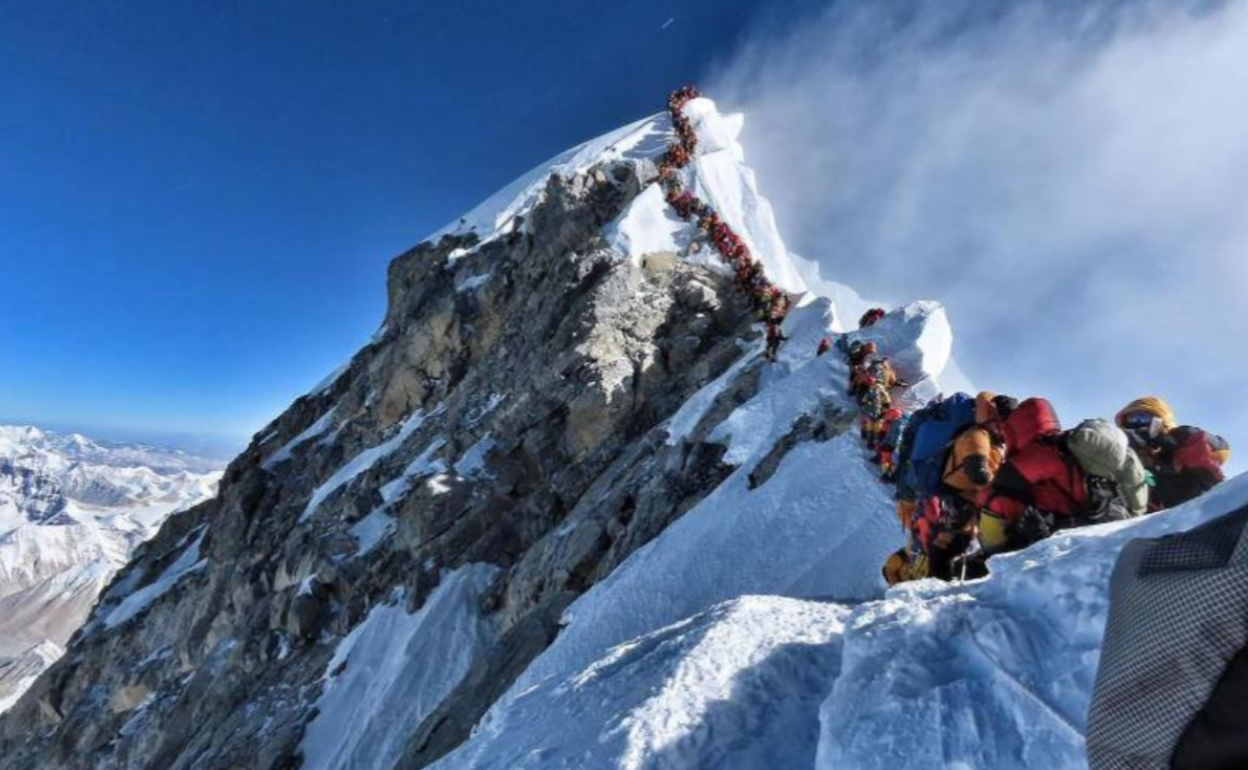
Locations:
{"points": [[980, 475], [770, 301], [974, 475]]}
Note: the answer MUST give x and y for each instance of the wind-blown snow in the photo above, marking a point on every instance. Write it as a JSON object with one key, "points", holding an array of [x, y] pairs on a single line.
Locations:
{"points": [[186, 563], [393, 670], [754, 631], [721, 179]]}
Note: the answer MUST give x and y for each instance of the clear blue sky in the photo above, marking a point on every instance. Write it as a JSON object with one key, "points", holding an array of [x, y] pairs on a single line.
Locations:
{"points": [[198, 200]]}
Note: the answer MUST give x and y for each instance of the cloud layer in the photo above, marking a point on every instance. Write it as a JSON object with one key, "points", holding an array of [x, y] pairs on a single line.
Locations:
{"points": [[1070, 181]]}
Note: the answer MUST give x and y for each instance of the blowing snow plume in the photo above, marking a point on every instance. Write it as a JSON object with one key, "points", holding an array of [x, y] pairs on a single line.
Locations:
{"points": [[1066, 179]]}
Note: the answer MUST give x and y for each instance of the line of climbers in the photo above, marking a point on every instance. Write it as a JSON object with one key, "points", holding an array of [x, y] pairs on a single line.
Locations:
{"points": [[770, 301], [977, 476]]}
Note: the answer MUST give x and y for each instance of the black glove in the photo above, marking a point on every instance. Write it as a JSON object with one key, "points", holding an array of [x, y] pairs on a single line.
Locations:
{"points": [[1032, 526]]}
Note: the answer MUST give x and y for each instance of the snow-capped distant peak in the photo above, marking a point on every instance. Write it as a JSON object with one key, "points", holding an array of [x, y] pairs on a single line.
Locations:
{"points": [[72, 510]]}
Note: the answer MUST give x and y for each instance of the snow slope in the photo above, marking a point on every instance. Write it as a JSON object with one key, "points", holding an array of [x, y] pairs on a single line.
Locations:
{"points": [[993, 674], [817, 529], [719, 176], [755, 631], [72, 510], [393, 670], [699, 693], [996, 673], [497, 215]]}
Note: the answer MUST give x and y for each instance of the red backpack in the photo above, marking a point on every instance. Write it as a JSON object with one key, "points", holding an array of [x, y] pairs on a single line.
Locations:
{"points": [[1196, 451], [1032, 419]]}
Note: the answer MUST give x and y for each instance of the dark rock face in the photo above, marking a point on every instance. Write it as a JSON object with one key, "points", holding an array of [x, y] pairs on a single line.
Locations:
{"points": [[548, 360]]}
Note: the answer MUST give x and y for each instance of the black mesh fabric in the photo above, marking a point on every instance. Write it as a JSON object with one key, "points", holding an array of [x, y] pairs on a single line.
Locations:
{"points": [[1178, 614]]}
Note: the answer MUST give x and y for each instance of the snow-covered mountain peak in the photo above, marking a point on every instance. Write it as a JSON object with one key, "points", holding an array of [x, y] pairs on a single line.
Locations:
{"points": [[497, 214], [718, 175], [72, 510], [563, 510]]}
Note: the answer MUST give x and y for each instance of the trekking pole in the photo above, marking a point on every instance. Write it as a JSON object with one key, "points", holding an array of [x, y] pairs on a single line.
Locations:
{"points": [[972, 551]]}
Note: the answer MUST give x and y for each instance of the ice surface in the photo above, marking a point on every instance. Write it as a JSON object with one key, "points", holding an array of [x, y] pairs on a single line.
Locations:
{"points": [[393, 670]]}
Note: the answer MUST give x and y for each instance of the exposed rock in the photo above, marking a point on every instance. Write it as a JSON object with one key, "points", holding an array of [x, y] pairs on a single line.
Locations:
{"points": [[517, 424]]}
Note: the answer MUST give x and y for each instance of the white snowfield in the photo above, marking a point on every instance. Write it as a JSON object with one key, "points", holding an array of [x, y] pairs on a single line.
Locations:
{"points": [[736, 687], [756, 631], [72, 510]]}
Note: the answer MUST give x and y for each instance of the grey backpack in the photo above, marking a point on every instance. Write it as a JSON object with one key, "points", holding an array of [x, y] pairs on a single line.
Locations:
{"points": [[1102, 449]]}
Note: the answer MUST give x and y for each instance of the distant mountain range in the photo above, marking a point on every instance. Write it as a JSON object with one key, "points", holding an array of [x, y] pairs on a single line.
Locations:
{"points": [[72, 511]]}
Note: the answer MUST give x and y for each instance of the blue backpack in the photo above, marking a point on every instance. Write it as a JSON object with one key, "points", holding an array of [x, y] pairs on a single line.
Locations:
{"points": [[938, 423]]}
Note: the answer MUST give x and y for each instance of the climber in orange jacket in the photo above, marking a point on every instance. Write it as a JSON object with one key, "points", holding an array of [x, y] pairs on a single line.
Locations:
{"points": [[1185, 461], [978, 451]]}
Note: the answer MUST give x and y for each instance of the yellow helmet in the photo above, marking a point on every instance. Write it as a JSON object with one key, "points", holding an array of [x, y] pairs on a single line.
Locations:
{"points": [[1154, 405]]}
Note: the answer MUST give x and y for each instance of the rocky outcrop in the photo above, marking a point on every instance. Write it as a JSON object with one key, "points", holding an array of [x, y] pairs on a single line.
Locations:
{"points": [[510, 412]]}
